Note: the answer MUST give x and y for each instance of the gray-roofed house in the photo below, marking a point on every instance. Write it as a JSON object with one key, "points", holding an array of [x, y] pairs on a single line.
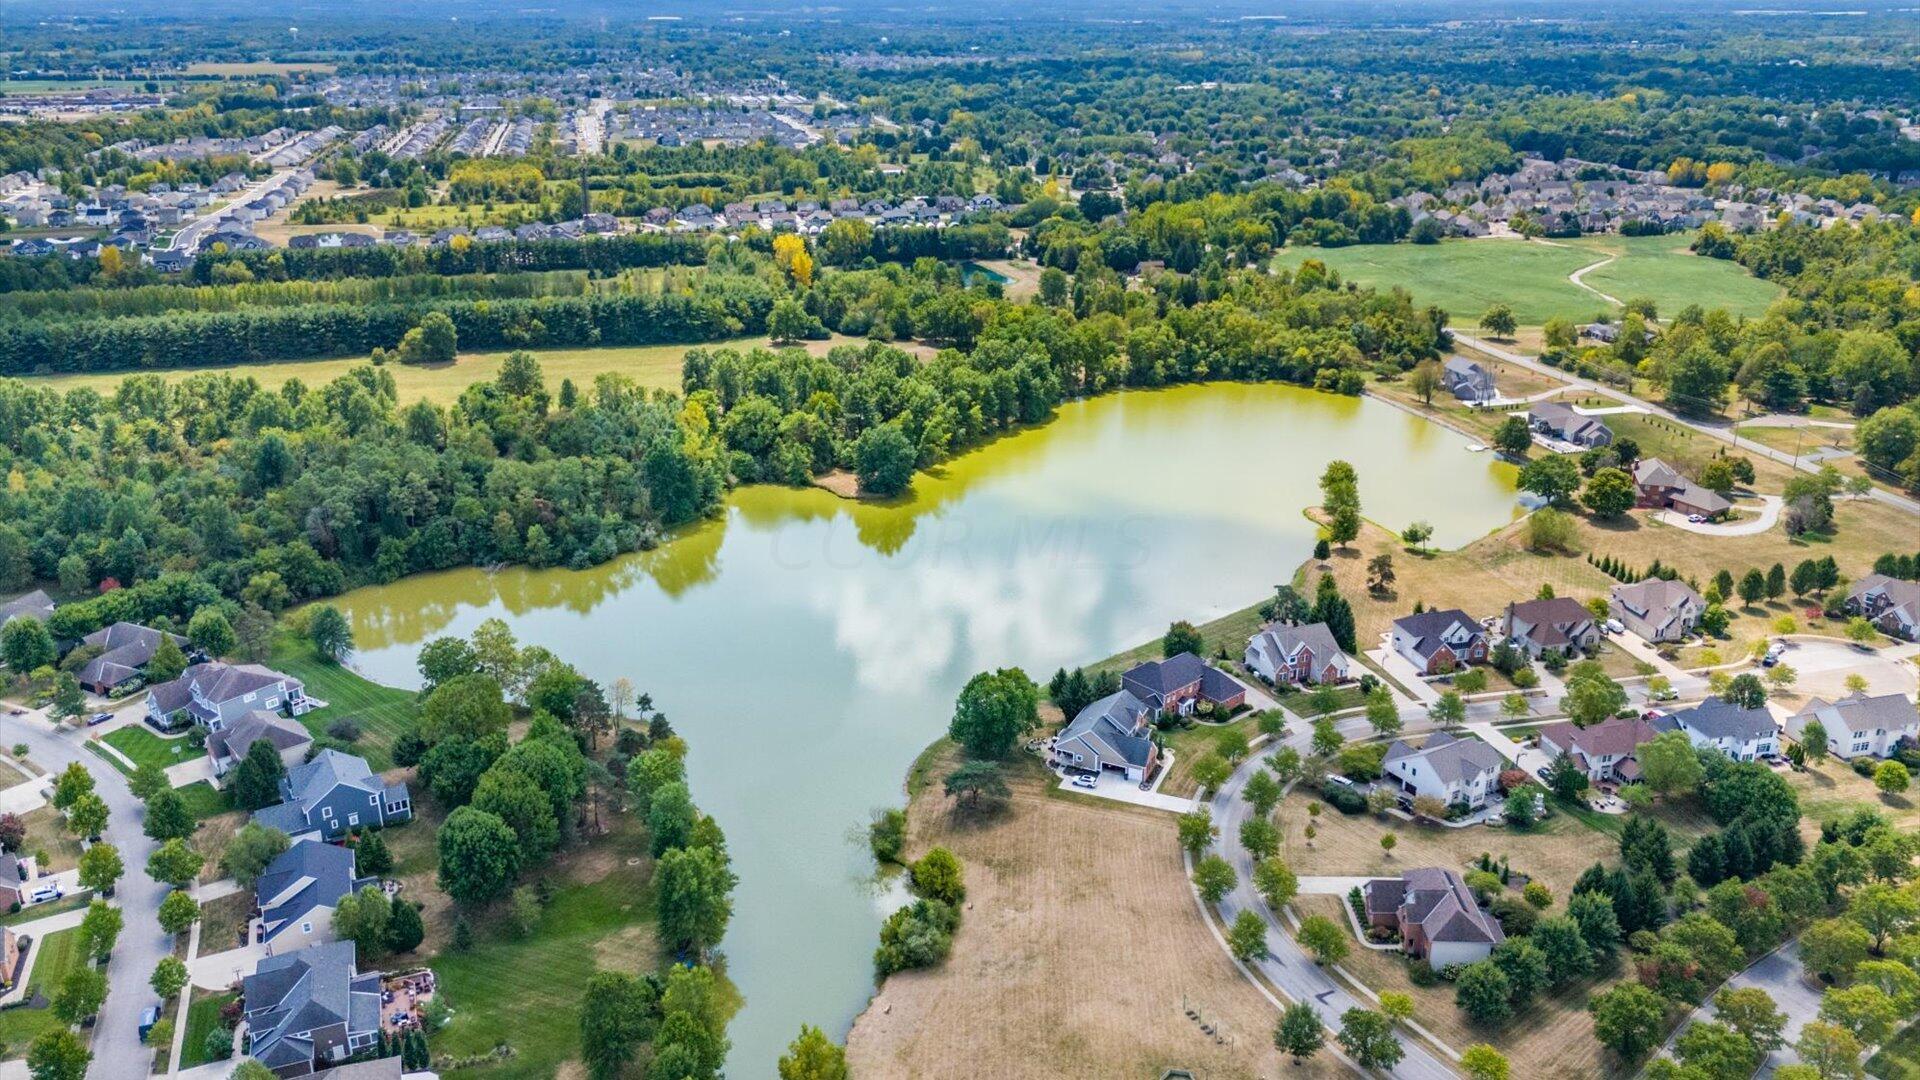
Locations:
{"points": [[228, 746], [1742, 734], [1859, 725], [308, 1009], [1468, 381], [1297, 654], [1114, 733], [1437, 642], [125, 648], [1560, 623], [216, 694], [297, 894], [1892, 603], [1436, 915], [1656, 609], [1179, 683], [34, 605], [1661, 486], [1561, 422], [1606, 751], [332, 795], [1455, 771]]}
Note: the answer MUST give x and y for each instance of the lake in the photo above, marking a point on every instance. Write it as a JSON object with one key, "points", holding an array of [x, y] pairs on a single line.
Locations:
{"points": [[810, 647]]}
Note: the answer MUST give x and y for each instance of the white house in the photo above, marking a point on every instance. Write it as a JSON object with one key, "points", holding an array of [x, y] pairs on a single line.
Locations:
{"points": [[1297, 654], [1741, 734], [1859, 724], [1446, 768]]}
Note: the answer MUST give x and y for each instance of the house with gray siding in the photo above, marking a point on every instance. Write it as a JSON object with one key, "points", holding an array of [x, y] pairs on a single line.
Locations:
{"points": [[310, 1009], [215, 695], [333, 795]]}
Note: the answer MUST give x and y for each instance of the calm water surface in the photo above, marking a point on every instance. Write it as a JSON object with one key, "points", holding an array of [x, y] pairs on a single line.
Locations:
{"points": [[809, 647]]}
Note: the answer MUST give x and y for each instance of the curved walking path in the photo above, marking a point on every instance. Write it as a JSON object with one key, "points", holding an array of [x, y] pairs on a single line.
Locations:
{"points": [[1578, 277], [1289, 967], [1723, 433]]}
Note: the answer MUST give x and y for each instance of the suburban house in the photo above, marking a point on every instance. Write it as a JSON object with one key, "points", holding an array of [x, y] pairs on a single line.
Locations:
{"points": [[16, 874], [332, 795], [308, 1009], [1741, 734], [1112, 733], [1435, 914], [1453, 770], [1176, 684], [1561, 422], [12, 957], [1858, 724], [34, 605], [1468, 381], [1561, 623], [228, 746], [1656, 609], [216, 694], [297, 893], [1604, 751], [1437, 642], [1297, 654], [1892, 603], [125, 649], [1660, 486]]}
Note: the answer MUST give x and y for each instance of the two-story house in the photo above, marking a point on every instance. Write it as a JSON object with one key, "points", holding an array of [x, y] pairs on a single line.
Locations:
{"points": [[1858, 725], [215, 695], [311, 1009], [1560, 623], [1437, 642], [1468, 381], [1658, 485], [1740, 733], [1175, 685], [228, 745], [1656, 610], [297, 893], [1435, 914], [333, 795], [1297, 654], [1604, 751], [1114, 733], [1455, 771], [1892, 603], [123, 651]]}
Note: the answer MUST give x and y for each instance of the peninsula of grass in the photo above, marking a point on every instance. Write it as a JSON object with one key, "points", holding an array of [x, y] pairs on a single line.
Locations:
{"points": [[382, 713]]}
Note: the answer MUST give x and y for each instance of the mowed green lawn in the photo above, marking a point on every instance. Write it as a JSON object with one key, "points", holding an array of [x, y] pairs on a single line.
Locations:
{"points": [[382, 712], [203, 1015], [1465, 277], [526, 990], [150, 751], [59, 955]]}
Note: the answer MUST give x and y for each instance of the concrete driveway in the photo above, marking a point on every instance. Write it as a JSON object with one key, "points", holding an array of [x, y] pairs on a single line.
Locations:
{"points": [[217, 971], [1640, 649], [1331, 886], [1113, 786], [191, 772], [1823, 665], [1768, 517], [1780, 974], [1402, 671]]}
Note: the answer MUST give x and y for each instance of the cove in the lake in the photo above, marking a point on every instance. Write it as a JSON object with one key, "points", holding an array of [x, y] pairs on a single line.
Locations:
{"points": [[809, 647]]}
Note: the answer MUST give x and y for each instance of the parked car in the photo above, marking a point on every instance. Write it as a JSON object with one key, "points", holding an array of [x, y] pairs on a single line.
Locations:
{"points": [[1086, 780], [99, 718], [1697, 519], [1615, 626], [44, 893], [148, 1017]]}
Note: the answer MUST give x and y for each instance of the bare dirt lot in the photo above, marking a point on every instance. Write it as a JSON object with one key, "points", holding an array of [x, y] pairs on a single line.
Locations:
{"points": [[1080, 951]]}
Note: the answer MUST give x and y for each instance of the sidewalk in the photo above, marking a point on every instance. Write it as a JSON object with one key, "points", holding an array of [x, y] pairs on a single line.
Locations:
{"points": [[1401, 671]]}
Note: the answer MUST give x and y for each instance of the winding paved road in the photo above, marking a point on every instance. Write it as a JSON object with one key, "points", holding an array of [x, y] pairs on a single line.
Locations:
{"points": [[117, 1050], [1723, 433]]}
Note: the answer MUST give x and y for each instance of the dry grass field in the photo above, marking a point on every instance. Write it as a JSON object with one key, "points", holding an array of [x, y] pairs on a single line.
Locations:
{"points": [[1831, 789], [1080, 951]]}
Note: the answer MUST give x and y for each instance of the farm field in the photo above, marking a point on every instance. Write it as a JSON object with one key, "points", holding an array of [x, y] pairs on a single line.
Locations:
{"points": [[654, 366], [1039, 874], [1465, 277]]}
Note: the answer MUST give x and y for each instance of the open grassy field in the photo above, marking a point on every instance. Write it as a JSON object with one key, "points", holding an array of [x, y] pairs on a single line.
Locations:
{"points": [[248, 69], [150, 751], [47, 831], [1831, 789], [1465, 277], [655, 366], [59, 955], [525, 990], [223, 922], [382, 712], [1552, 1038], [1022, 997]]}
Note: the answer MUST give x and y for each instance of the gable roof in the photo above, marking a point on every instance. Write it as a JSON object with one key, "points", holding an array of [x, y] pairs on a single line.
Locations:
{"points": [[1152, 681], [1111, 729], [35, 605], [1614, 737], [1427, 628], [304, 991], [1656, 598], [216, 682], [1652, 472], [234, 740], [1287, 641], [125, 649], [1439, 901], [1547, 621], [1452, 760], [310, 782], [306, 876], [1858, 713], [1717, 718]]}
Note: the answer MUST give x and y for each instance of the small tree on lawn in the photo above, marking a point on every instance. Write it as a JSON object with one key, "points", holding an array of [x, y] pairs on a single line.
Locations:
{"points": [[1891, 778], [976, 782], [256, 780], [1247, 937], [1628, 1019], [1215, 878], [1182, 637], [1387, 844], [1483, 1062], [178, 912], [1323, 938], [1259, 837], [1299, 1034], [1499, 321], [1429, 807], [1450, 711], [1262, 792], [100, 868], [1197, 830], [331, 634]]}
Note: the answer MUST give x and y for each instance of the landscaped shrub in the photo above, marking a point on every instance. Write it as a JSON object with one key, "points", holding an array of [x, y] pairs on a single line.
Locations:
{"points": [[917, 936], [1344, 799]]}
